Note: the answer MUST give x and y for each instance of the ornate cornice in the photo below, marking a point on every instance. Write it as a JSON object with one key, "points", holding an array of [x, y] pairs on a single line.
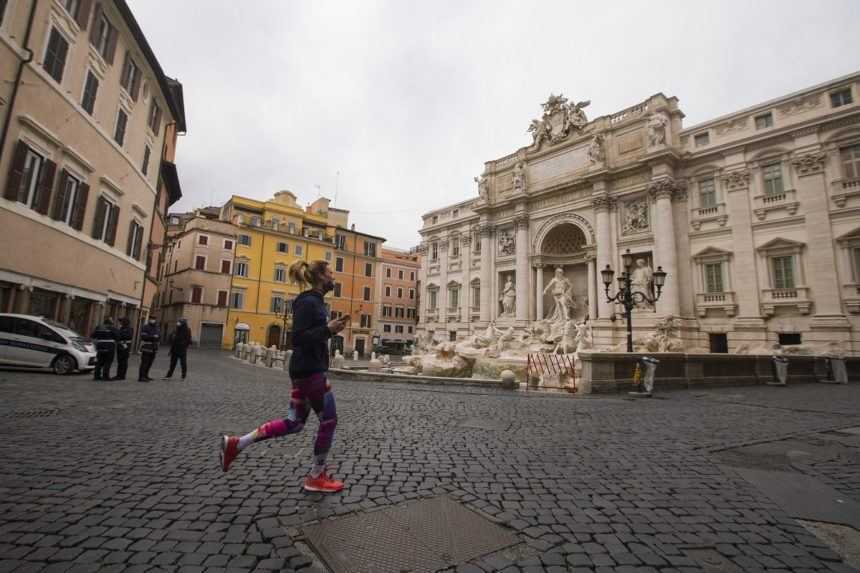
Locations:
{"points": [[466, 240], [809, 163], [737, 180], [485, 230]]}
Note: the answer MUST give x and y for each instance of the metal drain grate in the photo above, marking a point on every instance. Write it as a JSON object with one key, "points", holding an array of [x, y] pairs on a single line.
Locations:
{"points": [[35, 413], [425, 535]]}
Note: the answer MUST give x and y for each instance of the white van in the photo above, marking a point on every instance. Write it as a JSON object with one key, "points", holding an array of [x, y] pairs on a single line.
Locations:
{"points": [[38, 342]]}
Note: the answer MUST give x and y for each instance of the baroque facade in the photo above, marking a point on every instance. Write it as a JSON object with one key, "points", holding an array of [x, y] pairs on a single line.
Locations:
{"points": [[755, 216]]}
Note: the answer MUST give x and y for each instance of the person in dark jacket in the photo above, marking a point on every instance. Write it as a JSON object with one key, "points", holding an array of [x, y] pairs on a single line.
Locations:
{"points": [[180, 340], [105, 337], [123, 348], [149, 338], [308, 367]]}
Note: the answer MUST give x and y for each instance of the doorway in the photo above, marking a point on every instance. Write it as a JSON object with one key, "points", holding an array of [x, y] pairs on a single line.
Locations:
{"points": [[719, 342], [359, 347], [274, 336]]}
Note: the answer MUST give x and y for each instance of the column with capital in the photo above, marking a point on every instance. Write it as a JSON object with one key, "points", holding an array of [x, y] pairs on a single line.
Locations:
{"points": [[592, 289], [604, 246], [539, 291], [22, 301], [486, 272], [522, 252], [442, 295], [662, 191], [465, 288], [67, 309]]}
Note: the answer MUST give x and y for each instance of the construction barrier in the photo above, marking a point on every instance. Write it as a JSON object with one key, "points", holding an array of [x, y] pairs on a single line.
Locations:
{"points": [[543, 364]]}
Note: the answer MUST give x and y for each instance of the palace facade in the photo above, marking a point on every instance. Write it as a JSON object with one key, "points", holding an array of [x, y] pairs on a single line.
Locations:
{"points": [[755, 216]]}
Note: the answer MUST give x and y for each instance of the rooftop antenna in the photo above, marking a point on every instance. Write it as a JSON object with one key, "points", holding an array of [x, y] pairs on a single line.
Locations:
{"points": [[319, 191], [336, 187]]}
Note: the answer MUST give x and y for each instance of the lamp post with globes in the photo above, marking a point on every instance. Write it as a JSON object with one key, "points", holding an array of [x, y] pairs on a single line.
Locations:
{"points": [[626, 296]]}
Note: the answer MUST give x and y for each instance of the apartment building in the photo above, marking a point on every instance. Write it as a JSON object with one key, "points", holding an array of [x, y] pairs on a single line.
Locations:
{"points": [[398, 296], [270, 236], [197, 276], [89, 121]]}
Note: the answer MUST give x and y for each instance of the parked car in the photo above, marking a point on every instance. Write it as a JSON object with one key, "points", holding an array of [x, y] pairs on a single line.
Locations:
{"points": [[38, 342]]}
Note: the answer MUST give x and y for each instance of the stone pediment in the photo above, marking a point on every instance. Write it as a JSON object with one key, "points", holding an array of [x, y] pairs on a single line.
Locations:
{"points": [[779, 244], [852, 235], [712, 252]]}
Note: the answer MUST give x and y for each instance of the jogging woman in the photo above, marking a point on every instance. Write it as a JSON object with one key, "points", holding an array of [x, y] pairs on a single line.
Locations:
{"points": [[308, 367]]}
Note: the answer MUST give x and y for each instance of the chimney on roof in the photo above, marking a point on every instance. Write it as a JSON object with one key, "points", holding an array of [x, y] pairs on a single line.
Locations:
{"points": [[352, 227]]}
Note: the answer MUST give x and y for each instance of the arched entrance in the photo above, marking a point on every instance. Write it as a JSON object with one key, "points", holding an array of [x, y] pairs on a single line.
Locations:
{"points": [[565, 273], [273, 338]]}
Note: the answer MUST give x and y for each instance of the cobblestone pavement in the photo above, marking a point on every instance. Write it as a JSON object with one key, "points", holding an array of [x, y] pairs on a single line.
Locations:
{"points": [[125, 476]]}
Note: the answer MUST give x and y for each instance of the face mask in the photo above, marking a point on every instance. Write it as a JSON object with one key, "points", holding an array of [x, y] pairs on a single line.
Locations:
{"points": [[151, 322], [328, 285], [178, 324]]}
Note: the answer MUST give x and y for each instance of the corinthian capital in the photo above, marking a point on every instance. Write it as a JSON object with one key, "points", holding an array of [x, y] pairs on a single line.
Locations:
{"points": [[664, 188], [601, 203], [521, 221]]}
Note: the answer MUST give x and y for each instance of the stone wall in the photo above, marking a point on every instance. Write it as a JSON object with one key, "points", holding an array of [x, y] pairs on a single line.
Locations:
{"points": [[606, 372]]}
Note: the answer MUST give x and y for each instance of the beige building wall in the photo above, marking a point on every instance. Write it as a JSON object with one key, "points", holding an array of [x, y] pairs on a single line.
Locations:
{"points": [[76, 260], [200, 295]]}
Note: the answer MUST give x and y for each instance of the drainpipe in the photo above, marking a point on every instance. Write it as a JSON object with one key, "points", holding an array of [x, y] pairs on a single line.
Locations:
{"points": [[155, 205], [18, 74]]}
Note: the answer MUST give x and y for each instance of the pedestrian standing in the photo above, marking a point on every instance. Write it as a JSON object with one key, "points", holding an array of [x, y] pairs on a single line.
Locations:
{"points": [[106, 337], [123, 347], [149, 338], [180, 340], [308, 367]]}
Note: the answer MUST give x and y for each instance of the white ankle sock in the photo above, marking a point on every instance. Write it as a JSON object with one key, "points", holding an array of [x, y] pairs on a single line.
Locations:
{"points": [[247, 439]]}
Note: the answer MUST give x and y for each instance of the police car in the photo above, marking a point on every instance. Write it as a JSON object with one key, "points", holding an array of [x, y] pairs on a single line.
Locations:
{"points": [[38, 342]]}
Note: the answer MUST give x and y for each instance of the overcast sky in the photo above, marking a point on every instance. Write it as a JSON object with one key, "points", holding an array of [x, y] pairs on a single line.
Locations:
{"points": [[406, 100]]}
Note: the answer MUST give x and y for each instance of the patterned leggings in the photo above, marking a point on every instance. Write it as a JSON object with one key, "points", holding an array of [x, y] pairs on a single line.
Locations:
{"points": [[313, 391]]}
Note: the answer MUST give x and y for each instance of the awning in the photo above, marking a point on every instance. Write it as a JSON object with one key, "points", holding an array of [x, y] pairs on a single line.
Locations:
{"points": [[241, 326], [171, 180]]}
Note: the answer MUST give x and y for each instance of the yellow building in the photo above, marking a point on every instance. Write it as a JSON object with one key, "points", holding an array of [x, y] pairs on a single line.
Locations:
{"points": [[271, 235]]}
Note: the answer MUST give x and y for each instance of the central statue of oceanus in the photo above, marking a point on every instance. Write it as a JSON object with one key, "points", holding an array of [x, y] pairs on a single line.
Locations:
{"points": [[562, 294]]}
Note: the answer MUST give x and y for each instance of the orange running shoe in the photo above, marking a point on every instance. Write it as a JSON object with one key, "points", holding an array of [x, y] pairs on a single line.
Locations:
{"points": [[323, 483], [229, 451]]}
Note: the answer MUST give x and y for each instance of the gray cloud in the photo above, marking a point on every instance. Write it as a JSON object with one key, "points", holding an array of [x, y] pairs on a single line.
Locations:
{"points": [[408, 100]]}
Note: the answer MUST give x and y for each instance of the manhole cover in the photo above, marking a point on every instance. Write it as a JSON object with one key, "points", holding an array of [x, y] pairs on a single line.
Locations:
{"points": [[425, 535], [35, 413], [484, 424]]}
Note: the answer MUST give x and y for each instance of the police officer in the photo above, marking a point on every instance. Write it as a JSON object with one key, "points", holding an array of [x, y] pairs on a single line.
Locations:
{"points": [[180, 340], [123, 348], [105, 336], [149, 337]]}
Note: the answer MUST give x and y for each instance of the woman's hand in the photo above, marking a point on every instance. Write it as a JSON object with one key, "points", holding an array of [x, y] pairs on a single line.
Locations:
{"points": [[338, 324]]}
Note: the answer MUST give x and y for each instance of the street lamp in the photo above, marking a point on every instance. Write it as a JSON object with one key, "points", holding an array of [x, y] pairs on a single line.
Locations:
{"points": [[626, 296], [288, 316]]}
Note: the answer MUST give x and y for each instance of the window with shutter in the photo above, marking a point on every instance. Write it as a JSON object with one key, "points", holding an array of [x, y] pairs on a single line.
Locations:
{"points": [[113, 219], [226, 267], [196, 294], [79, 207], [138, 242], [16, 172], [154, 119], [83, 14], [368, 270], [130, 78], [338, 264], [45, 188], [23, 184], [102, 208], [200, 263], [121, 122], [103, 35], [145, 167], [55, 55], [222, 298], [367, 293], [91, 89]]}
